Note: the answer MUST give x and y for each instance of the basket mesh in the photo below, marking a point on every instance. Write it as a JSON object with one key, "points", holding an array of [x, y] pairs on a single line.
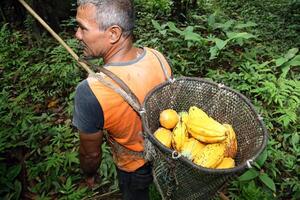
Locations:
{"points": [[179, 178]]}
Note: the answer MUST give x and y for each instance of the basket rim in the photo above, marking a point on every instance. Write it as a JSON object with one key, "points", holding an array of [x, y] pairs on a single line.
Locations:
{"points": [[170, 152]]}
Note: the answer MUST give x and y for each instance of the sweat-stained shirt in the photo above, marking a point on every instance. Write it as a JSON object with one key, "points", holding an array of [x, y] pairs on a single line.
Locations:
{"points": [[98, 107]]}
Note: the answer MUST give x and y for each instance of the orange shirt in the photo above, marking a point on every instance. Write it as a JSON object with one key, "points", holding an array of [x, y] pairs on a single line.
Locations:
{"points": [[120, 120]]}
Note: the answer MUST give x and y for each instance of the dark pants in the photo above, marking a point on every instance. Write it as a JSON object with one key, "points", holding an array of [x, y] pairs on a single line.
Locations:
{"points": [[135, 185]]}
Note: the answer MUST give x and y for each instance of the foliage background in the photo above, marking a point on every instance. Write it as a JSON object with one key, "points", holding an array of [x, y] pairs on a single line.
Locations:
{"points": [[250, 46]]}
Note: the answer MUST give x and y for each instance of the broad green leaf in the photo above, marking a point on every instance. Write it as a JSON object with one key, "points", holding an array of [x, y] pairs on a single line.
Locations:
{"points": [[235, 35], [285, 71], [295, 61], [220, 43], [267, 181], [248, 24], [224, 26], [156, 25], [249, 175], [280, 61], [291, 53], [214, 51], [211, 20], [262, 158], [69, 182], [172, 27], [190, 36], [295, 140], [189, 29]]}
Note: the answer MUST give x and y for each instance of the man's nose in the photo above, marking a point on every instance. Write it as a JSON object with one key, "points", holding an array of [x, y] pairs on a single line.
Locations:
{"points": [[78, 34]]}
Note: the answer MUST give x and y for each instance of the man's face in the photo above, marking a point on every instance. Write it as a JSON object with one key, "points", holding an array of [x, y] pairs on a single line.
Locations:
{"points": [[94, 40]]}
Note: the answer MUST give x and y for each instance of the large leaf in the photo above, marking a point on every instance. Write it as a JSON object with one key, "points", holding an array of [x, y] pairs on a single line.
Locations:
{"points": [[262, 158], [173, 28], [248, 24], [295, 140], [287, 65], [280, 61], [156, 25], [249, 175], [190, 35], [221, 43], [267, 181], [291, 53], [214, 51], [243, 35], [224, 26], [211, 20], [295, 61]]}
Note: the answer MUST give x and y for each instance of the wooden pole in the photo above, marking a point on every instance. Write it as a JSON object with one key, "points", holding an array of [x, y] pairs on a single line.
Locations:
{"points": [[45, 25]]}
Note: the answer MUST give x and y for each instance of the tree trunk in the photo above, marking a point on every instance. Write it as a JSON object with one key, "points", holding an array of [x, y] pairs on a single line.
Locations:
{"points": [[181, 8]]}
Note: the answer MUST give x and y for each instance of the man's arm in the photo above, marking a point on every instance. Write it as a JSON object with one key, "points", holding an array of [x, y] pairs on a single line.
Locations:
{"points": [[90, 154]]}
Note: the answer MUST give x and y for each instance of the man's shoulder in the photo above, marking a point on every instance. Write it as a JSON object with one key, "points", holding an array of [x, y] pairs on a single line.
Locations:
{"points": [[82, 88], [83, 91], [155, 51]]}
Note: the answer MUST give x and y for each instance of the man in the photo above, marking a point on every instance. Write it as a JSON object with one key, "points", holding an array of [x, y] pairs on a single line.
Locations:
{"points": [[105, 31]]}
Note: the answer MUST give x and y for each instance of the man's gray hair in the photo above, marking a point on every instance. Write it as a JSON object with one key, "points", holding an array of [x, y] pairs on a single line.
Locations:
{"points": [[113, 12]]}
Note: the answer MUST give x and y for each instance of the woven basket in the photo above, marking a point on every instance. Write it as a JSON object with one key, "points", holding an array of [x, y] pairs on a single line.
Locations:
{"points": [[177, 177]]}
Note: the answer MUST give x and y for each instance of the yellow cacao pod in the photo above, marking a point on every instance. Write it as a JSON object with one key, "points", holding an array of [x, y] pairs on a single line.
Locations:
{"points": [[226, 163], [192, 148], [206, 139], [179, 136], [168, 118], [199, 123], [211, 155], [230, 142], [184, 116], [164, 136]]}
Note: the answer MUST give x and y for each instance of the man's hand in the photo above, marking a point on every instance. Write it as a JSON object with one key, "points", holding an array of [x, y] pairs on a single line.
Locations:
{"points": [[90, 181]]}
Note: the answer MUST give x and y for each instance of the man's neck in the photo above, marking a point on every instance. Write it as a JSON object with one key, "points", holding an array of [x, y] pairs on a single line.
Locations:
{"points": [[123, 51]]}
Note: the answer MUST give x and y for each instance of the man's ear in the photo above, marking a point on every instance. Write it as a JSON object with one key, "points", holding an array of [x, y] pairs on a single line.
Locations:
{"points": [[115, 33]]}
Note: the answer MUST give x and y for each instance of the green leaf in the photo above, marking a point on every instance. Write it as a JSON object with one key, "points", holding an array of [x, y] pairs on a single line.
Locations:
{"points": [[173, 28], [190, 36], [214, 51], [69, 183], [211, 20], [220, 43], [18, 189], [291, 53], [248, 24], [224, 26], [295, 140], [243, 35], [280, 61], [13, 172], [249, 175], [262, 158], [156, 25], [267, 181], [295, 61]]}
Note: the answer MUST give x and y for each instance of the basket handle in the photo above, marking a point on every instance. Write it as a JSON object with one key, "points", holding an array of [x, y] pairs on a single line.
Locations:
{"points": [[169, 78]]}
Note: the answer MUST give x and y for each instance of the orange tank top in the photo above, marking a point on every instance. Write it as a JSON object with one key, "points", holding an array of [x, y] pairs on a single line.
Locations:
{"points": [[120, 120]]}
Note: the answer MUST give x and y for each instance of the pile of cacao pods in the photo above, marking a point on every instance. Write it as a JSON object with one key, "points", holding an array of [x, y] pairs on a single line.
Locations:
{"points": [[198, 137]]}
